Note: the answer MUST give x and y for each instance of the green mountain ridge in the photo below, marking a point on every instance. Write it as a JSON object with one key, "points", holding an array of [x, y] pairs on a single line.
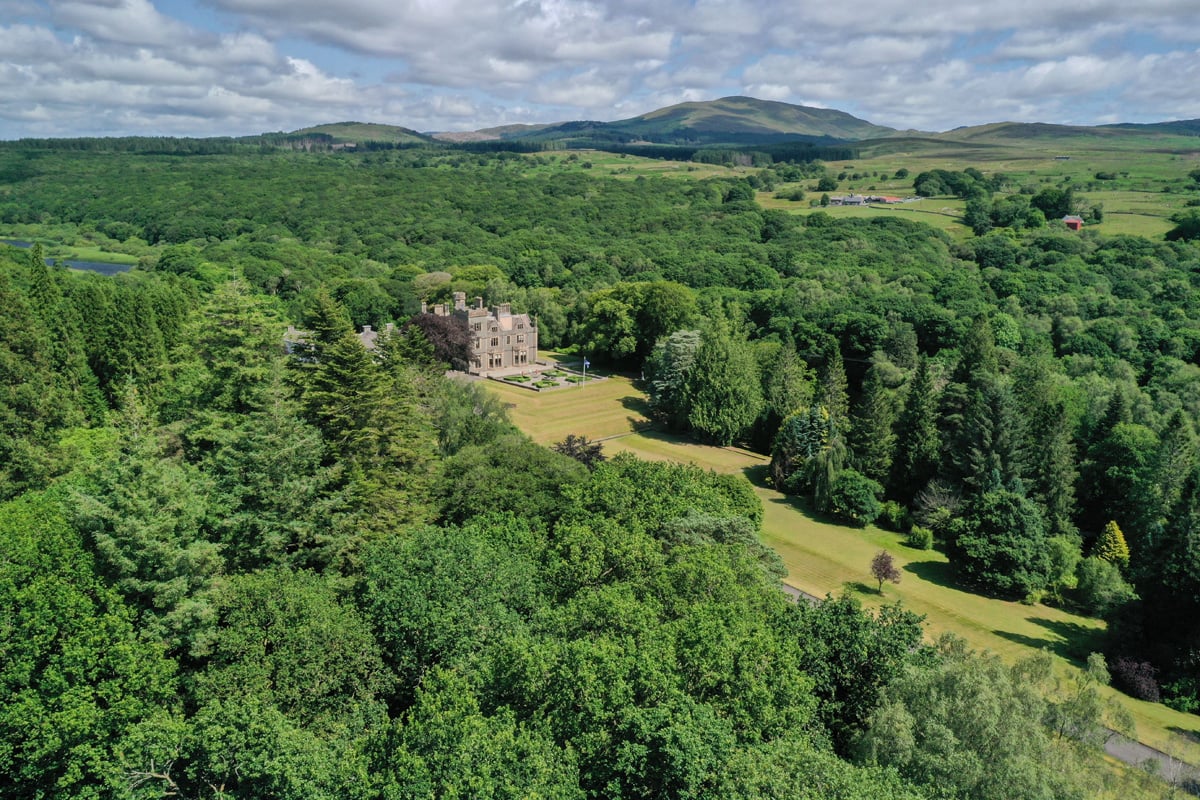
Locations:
{"points": [[741, 121], [729, 120]]}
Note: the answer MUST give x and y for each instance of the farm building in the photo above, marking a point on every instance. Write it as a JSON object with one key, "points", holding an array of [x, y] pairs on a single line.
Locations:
{"points": [[1073, 222]]}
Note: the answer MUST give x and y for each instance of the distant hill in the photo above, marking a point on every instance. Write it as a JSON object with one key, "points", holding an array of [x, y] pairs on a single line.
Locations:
{"points": [[745, 121], [1007, 131], [746, 115], [354, 132], [1181, 127], [730, 120], [491, 134]]}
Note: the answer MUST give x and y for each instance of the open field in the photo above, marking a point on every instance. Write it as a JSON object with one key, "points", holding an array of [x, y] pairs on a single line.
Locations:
{"points": [[943, 213], [826, 558], [1148, 175]]}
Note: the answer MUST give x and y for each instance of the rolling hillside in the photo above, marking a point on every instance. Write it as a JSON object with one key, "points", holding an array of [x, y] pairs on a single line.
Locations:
{"points": [[353, 132], [746, 115], [730, 120]]}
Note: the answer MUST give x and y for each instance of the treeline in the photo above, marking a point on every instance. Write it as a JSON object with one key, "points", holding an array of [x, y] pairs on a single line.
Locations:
{"points": [[339, 574], [765, 152]]}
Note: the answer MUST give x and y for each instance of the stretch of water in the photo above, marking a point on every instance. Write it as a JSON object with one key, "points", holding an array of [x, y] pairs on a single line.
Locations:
{"points": [[102, 267]]}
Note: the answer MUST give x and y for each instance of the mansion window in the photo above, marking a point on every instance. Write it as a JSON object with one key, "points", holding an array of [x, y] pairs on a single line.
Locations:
{"points": [[520, 338], [495, 341]]}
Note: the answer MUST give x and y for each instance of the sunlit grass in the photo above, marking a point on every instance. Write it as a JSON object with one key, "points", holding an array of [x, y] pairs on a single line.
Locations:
{"points": [[822, 557]]}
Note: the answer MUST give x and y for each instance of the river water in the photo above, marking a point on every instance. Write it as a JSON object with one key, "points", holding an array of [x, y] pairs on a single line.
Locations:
{"points": [[104, 268]]}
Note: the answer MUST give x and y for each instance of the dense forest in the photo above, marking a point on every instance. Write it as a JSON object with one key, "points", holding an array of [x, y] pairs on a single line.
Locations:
{"points": [[233, 572]]}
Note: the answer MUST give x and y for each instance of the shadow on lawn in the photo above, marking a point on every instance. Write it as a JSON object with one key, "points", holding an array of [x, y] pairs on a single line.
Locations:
{"points": [[637, 404], [935, 572], [858, 587], [1069, 640], [1190, 735], [757, 474]]}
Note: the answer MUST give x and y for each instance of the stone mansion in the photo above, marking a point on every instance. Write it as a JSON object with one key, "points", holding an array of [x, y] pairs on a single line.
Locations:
{"points": [[500, 339]]}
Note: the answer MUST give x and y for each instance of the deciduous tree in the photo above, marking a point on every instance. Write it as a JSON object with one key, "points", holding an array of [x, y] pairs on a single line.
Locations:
{"points": [[883, 568]]}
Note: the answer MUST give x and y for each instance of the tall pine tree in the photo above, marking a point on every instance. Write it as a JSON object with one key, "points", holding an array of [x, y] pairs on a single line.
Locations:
{"points": [[1052, 468], [833, 391], [917, 441], [871, 438]]}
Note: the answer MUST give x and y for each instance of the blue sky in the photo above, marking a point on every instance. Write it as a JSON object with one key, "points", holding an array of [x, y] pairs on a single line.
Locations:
{"points": [[216, 67]]}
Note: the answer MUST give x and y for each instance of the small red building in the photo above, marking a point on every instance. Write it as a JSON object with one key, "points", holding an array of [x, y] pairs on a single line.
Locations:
{"points": [[1073, 223]]}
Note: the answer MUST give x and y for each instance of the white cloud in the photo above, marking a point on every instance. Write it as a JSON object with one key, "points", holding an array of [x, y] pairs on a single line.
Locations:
{"points": [[119, 21], [588, 90], [237, 66]]}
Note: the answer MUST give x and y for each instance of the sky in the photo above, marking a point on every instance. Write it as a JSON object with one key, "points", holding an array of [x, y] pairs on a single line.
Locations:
{"points": [[238, 67]]}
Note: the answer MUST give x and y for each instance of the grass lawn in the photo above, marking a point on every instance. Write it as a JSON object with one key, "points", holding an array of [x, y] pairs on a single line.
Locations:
{"points": [[826, 558]]}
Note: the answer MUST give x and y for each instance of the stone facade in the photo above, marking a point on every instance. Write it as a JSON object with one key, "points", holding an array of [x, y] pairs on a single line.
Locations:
{"points": [[501, 341]]}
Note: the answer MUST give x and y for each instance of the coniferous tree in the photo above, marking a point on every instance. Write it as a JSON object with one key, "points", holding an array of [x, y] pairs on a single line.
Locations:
{"points": [[1052, 471], [787, 387], [1175, 460], [34, 405], [1168, 627], [871, 436], [801, 437], [976, 365], [989, 453], [917, 443], [668, 370], [1111, 545], [1117, 482], [976, 353], [723, 385], [833, 392]]}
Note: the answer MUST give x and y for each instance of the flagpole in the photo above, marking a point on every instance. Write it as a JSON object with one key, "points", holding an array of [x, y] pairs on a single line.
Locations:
{"points": [[585, 366]]}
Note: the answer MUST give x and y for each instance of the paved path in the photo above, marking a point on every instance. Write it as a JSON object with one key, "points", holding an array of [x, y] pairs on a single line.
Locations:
{"points": [[1170, 769]]}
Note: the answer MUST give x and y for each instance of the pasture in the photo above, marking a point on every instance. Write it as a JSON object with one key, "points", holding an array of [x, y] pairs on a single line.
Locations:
{"points": [[1145, 178], [822, 557]]}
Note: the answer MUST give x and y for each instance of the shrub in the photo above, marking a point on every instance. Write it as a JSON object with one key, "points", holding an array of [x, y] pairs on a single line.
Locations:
{"points": [[796, 483], [1034, 597], [1137, 678], [854, 498], [1100, 587], [796, 194], [894, 516], [919, 538], [517, 378], [544, 384]]}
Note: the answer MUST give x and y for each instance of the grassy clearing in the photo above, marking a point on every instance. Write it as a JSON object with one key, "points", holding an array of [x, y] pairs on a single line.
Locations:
{"points": [[69, 241], [627, 167], [943, 213], [90, 253], [826, 558]]}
